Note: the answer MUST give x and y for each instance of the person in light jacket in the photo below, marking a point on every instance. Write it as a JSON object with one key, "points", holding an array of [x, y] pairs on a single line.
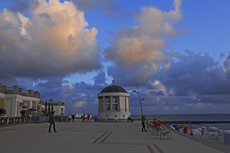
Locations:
{"points": [[52, 121]]}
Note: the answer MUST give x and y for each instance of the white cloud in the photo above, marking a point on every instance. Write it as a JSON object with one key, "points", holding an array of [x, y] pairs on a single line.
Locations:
{"points": [[145, 41], [54, 41], [78, 104]]}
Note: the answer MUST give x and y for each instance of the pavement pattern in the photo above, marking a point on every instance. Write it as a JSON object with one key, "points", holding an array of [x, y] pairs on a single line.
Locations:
{"points": [[94, 137]]}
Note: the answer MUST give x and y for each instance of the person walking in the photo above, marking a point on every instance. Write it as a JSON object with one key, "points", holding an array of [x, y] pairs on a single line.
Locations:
{"points": [[88, 118], [52, 121], [83, 118], [73, 117], [143, 118], [69, 117]]}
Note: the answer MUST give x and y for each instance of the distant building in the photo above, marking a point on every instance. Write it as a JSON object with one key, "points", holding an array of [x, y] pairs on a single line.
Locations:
{"points": [[15, 99], [113, 104], [58, 108]]}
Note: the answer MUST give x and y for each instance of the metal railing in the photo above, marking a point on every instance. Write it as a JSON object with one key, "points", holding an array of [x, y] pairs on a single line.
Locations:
{"points": [[37, 119]]}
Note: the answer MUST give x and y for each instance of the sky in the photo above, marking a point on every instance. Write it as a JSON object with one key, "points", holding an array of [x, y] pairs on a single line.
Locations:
{"points": [[176, 52]]}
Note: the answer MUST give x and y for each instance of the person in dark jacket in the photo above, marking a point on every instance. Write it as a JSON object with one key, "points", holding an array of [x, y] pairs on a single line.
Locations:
{"points": [[143, 118], [52, 121], [88, 118], [73, 117]]}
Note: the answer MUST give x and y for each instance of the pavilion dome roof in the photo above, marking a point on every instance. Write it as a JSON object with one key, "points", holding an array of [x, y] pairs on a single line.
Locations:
{"points": [[113, 88]]}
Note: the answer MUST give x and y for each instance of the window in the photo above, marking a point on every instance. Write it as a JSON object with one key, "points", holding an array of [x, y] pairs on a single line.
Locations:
{"points": [[101, 103], [62, 110], [115, 115], [0, 103], [107, 103], [25, 106], [115, 103], [33, 105]]}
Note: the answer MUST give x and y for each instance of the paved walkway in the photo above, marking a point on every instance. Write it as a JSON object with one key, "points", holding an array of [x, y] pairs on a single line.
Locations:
{"points": [[92, 138]]}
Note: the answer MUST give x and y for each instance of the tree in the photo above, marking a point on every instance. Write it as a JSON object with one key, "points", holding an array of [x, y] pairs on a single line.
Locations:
{"points": [[2, 111]]}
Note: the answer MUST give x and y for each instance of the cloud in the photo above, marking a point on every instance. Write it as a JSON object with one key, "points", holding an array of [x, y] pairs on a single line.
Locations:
{"points": [[23, 6], [138, 51], [53, 42], [78, 104], [109, 7], [145, 41], [100, 78]]}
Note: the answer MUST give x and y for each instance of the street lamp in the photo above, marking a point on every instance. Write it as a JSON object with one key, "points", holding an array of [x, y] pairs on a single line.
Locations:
{"points": [[83, 109], [139, 99]]}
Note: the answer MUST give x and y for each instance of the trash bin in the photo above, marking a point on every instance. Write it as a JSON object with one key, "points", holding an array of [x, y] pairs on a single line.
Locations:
{"points": [[227, 137], [185, 129], [203, 130]]}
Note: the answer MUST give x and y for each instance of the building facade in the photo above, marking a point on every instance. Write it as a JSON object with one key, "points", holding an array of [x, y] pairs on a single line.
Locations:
{"points": [[16, 99], [113, 104], [58, 108]]}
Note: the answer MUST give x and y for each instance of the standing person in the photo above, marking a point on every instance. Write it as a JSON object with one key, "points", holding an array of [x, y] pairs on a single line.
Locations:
{"points": [[73, 117], [83, 118], [143, 118], [52, 121], [70, 116], [88, 118]]}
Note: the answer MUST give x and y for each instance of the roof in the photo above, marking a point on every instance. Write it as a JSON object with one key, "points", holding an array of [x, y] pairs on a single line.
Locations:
{"points": [[113, 88]]}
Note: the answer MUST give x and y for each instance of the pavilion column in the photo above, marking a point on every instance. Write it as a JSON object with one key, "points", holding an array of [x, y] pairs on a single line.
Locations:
{"points": [[99, 104], [103, 104], [119, 105], [128, 104], [125, 104], [111, 105]]}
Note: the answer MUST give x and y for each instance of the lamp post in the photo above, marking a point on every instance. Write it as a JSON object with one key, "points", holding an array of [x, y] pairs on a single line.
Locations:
{"points": [[139, 99], [83, 109]]}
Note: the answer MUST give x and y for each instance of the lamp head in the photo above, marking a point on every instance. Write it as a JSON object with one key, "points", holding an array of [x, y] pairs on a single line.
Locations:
{"points": [[134, 90]]}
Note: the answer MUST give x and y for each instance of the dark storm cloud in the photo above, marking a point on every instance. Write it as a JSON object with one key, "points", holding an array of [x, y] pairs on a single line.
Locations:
{"points": [[196, 73]]}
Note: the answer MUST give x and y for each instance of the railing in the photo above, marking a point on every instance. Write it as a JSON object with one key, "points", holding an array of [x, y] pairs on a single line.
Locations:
{"points": [[37, 119]]}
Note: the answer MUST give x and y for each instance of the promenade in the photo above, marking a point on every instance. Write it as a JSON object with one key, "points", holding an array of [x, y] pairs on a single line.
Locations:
{"points": [[93, 137]]}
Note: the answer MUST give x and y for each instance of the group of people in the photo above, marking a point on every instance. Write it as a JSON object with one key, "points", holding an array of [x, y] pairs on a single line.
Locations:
{"points": [[71, 116], [52, 120], [83, 118]]}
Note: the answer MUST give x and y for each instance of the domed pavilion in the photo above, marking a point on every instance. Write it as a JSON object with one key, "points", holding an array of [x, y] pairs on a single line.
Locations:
{"points": [[113, 104]]}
